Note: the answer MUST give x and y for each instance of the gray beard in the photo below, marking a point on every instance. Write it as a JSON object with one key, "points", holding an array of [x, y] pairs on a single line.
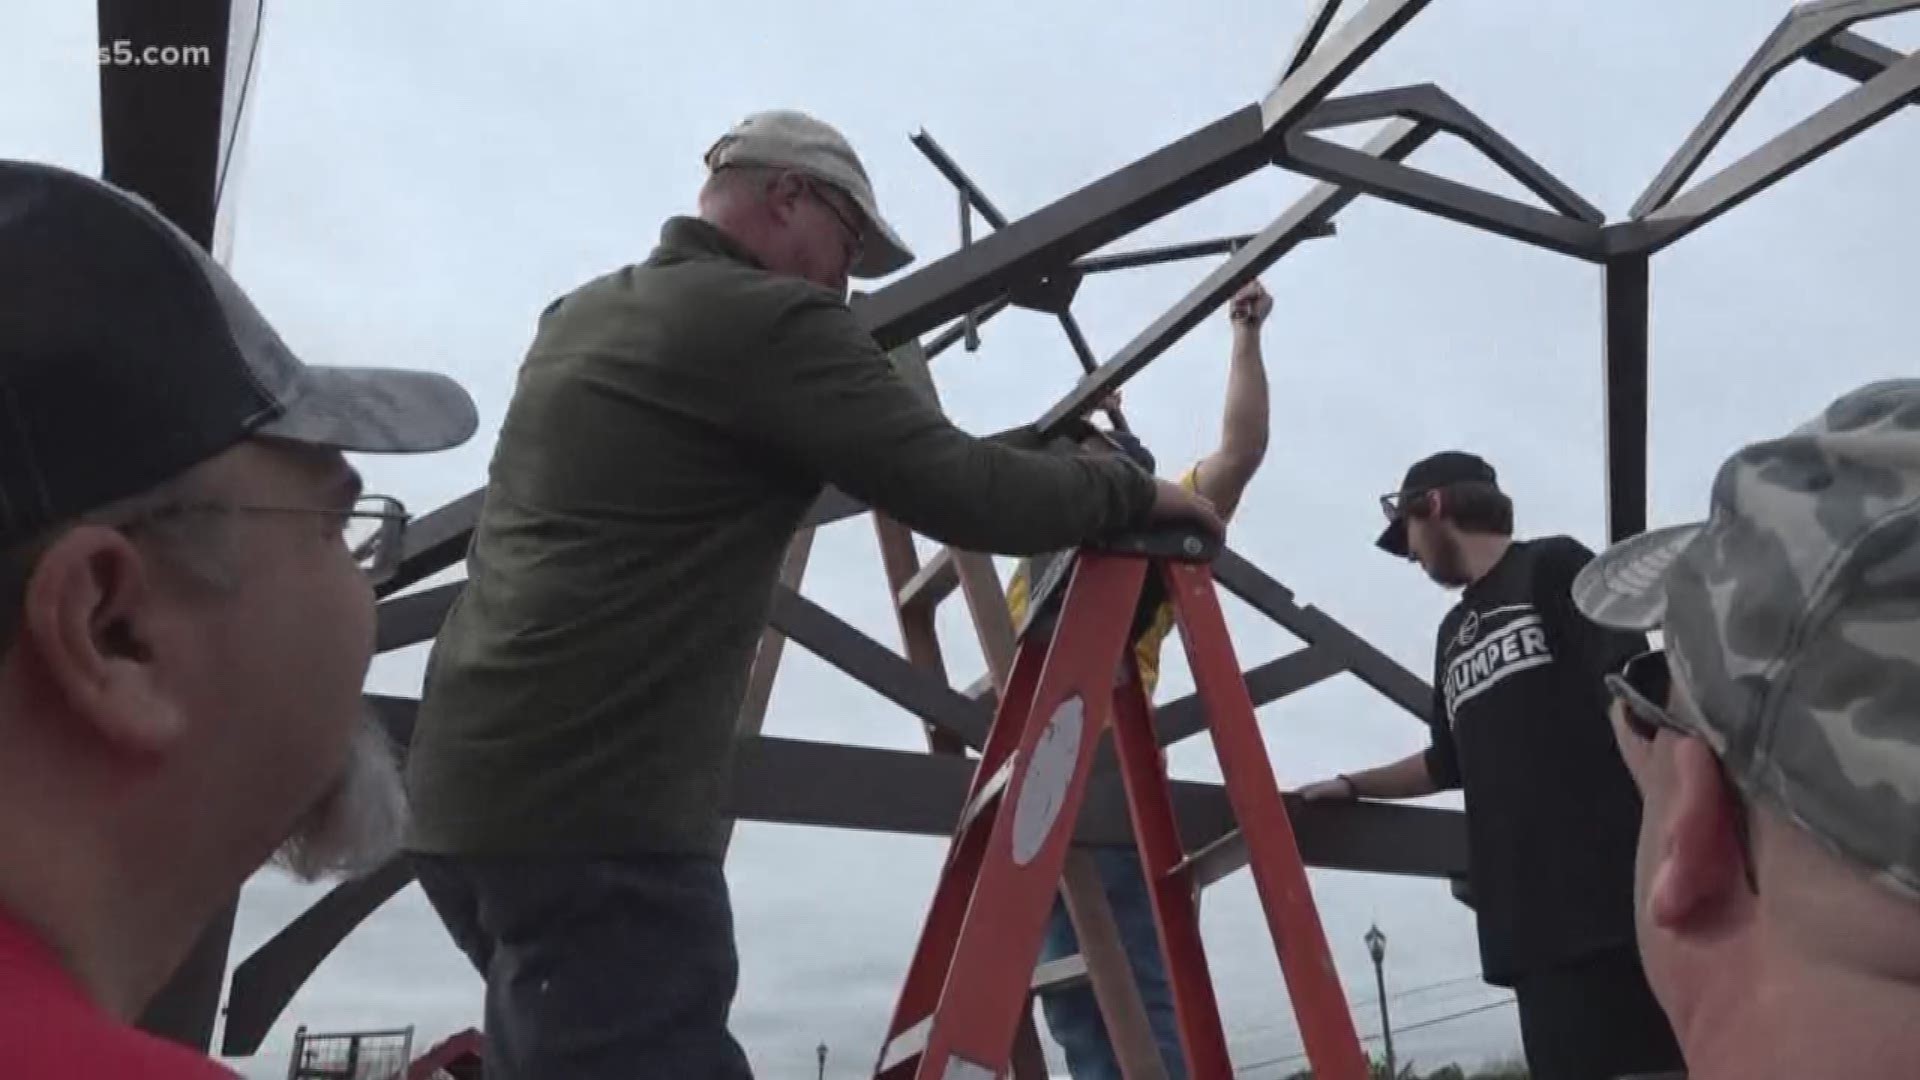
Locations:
{"points": [[361, 820]]}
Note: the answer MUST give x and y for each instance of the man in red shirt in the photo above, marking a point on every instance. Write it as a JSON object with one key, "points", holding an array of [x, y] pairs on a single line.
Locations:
{"points": [[186, 614]]}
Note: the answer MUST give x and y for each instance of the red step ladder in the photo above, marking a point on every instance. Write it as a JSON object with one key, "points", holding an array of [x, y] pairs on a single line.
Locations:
{"points": [[968, 982]]}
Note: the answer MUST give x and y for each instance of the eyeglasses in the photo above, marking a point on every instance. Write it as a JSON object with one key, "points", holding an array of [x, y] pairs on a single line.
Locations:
{"points": [[1642, 687], [1395, 504], [852, 227], [374, 530]]}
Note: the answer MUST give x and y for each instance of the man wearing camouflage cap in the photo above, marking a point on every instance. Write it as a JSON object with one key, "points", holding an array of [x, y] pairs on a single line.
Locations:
{"points": [[1776, 743], [671, 426]]}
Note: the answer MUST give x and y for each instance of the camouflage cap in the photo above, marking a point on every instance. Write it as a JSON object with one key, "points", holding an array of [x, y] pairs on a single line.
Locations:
{"points": [[1792, 618]]}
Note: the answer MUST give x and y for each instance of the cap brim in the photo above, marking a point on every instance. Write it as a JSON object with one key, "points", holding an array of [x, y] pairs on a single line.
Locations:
{"points": [[885, 251], [1393, 540], [1626, 586], [375, 411]]}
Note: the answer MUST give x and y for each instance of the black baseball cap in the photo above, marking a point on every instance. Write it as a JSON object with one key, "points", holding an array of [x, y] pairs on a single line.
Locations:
{"points": [[1444, 469], [127, 356]]}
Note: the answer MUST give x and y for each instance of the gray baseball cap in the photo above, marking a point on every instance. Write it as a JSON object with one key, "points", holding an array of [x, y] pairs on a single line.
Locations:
{"points": [[787, 139], [128, 356], [1792, 617]]}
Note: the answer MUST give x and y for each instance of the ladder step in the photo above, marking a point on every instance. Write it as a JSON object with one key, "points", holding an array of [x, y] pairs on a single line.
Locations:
{"points": [[1215, 861], [906, 1046], [989, 793], [1062, 974], [934, 583]]}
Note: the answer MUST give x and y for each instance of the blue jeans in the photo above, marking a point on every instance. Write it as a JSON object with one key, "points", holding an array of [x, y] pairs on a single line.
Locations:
{"points": [[596, 969], [1073, 1016]]}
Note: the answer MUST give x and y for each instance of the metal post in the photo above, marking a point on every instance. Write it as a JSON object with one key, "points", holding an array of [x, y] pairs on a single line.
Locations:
{"points": [[822, 1051], [299, 1044], [1625, 353], [1377, 946], [967, 322]]}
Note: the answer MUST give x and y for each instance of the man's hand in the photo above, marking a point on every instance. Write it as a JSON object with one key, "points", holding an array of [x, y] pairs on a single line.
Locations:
{"points": [[1338, 789], [1173, 504], [1250, 306]]}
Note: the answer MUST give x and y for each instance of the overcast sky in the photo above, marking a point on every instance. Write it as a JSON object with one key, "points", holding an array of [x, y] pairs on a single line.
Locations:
{"points": [[422, 178]]}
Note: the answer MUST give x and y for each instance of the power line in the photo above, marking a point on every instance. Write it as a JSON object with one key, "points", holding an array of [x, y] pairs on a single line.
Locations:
{"points": [[1369, 1000], [1287, 1059]]}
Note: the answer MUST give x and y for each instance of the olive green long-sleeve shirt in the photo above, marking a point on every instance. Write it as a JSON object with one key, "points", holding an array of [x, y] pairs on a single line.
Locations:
{"points": [[672, 423]]}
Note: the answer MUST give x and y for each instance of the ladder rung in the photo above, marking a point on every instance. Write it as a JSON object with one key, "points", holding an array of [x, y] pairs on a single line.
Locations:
{"points": [[1062, 974], [1215, 861], [934, 583], [995, 784], [906, 1046]]}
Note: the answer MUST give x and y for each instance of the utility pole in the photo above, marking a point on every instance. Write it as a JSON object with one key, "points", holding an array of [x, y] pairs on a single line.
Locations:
{"points": [[822, 1051], [1377, 946]]}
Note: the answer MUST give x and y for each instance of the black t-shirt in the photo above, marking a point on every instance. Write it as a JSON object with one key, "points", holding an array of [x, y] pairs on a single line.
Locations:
{"points": [[1520, 724]]}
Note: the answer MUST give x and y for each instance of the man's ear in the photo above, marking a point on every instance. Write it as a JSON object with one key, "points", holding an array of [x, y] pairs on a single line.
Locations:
{"points": [[784, 192], [87, 624], [1699, 866]]}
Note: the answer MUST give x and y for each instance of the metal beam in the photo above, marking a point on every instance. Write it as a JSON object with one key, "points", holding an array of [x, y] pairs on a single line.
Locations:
{"points": [[828, 786], [1797, 35], [1445, 198], [1851, 56], [946, 339], [1311, 33], [160, 123], [1145, 191], [1193, 249], [1445, 110], [1368, 664], [1314, 210], [437, 540], [414, 618], [1853, 113], [1352, 840], [878, 667], [1053, 236], [1429, 103], [1328, 66], [1267, 683], [266, 981], [932, 583], [1625, 355], [957, 176]]}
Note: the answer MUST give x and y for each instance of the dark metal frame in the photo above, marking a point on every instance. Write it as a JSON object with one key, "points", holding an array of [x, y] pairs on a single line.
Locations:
{"points": [[162, 136]]}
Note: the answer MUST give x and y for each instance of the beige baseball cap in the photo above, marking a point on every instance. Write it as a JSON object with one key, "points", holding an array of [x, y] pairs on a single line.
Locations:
{"points": [[788, 139]]}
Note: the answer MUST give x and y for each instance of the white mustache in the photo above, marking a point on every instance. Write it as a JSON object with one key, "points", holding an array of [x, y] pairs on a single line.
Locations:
{"points": [[360, 822]]}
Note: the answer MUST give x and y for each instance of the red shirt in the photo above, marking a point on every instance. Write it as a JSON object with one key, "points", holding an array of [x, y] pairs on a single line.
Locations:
{"points": [[50, 1031]]}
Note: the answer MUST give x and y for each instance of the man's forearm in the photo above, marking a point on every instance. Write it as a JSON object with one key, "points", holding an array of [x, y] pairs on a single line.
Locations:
{"points": [[1407, 778]]}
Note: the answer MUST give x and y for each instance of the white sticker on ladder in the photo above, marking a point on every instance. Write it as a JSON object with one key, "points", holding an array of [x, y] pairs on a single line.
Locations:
{"points": [[1048, 775]]}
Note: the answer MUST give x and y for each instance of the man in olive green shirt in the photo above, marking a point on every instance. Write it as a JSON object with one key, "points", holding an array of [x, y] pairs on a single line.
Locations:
{"points": [[672, 423]]}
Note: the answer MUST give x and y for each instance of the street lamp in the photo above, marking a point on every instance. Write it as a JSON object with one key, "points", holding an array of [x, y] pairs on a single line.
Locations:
{"points": [[1377, 946], [822, 1051]]}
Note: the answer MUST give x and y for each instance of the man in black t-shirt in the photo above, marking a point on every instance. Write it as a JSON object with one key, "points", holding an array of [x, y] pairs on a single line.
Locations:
{"points": [[1519, 724]]}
